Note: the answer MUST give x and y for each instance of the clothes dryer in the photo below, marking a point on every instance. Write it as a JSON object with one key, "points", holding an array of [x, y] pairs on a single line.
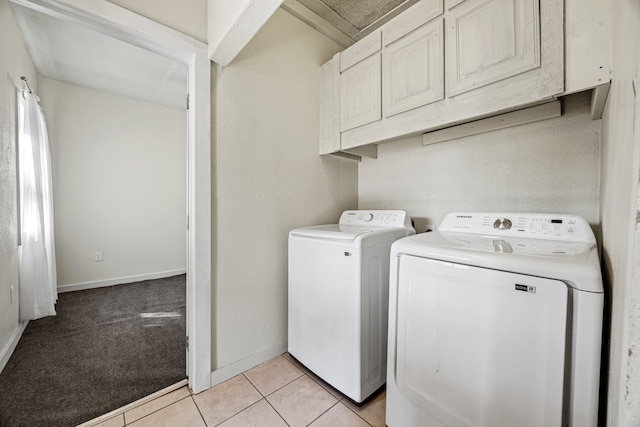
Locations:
{"points": [[338, 298], [495, 320]]}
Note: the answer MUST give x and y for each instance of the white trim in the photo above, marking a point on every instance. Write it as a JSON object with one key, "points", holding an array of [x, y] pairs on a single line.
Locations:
{"points": [[246, 25], [125, 25], [8, 349], [220, 375], [538, 113], [102, 418], [118, 281], [199, 232]]}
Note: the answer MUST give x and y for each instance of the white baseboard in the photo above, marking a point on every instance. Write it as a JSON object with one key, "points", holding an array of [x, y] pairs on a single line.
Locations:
{"points": [[7, 351], [220, 375], [118, 281]]}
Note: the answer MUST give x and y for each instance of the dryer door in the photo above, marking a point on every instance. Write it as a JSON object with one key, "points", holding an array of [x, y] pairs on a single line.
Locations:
{"points": [[479, 347]]}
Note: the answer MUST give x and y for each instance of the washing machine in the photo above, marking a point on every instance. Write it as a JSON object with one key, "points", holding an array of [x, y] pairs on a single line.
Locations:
{"points": [[495, 320], [338, 298]]}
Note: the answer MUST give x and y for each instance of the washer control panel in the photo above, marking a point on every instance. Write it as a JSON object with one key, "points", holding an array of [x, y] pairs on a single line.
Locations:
{"points": [[375, 218], [540, 226]]}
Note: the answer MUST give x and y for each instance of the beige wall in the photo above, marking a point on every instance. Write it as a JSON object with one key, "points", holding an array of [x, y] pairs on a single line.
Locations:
{"points": [[119, 181], [269, 179], [14, 62], [621, 253], [222, 15], [550, 166], [187, 16]]}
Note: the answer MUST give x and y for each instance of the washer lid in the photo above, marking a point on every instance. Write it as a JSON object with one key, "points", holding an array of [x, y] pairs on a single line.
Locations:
{"points": [[575, 263], [334, 232]]}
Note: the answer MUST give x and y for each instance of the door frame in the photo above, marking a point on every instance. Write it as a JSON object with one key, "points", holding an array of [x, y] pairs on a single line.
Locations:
{"points": [[130, 27]]}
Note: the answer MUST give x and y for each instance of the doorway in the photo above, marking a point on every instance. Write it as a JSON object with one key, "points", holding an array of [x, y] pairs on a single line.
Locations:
{"points": [[120, 24]]}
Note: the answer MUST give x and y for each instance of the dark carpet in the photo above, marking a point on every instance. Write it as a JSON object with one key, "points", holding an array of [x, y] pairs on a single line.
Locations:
{"points": [[106, 348]]}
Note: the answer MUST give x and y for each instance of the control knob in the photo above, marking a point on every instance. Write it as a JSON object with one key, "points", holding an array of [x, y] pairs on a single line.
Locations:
{"points": [[368, 217], [502, 224]]}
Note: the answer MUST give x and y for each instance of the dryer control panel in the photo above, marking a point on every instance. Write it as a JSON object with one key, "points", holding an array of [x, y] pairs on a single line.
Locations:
{"points": [[532, 225], [376, 218]]}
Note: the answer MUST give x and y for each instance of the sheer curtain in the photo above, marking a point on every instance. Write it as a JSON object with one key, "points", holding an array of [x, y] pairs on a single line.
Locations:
{"points": [[38, 283]]}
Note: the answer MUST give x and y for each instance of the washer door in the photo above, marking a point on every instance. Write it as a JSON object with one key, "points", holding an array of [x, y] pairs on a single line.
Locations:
{"points": [[479, 347]]}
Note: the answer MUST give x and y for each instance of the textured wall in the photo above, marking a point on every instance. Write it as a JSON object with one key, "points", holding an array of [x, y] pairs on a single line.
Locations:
{"points": [[549, 166], [269, 179], [621, 254], [14, 62], [119, 183], [187, 16]]}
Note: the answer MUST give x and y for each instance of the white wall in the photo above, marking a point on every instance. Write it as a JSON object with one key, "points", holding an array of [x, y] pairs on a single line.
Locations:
{"points": [[269, 179], [188, 17], [550, 166], [14, 62], [621, 252], [119, 182]]}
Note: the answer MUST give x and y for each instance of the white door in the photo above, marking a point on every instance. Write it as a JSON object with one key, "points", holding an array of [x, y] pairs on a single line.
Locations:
{"points": [[479, 347]]}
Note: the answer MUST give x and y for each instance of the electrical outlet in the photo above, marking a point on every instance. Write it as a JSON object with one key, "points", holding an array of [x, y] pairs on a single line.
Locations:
{"points": [[12, 290], [97, 256], [423, 225]]}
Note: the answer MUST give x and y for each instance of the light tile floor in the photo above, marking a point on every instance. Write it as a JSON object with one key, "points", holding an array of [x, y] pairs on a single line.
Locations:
{"points": [[279, 393]]}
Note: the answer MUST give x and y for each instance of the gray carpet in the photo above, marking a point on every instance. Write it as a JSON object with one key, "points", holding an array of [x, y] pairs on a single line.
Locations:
{"points": [[106, 348]]}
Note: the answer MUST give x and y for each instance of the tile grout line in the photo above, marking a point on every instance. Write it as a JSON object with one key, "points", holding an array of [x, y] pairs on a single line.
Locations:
{"points": [[279, 414], [358, 415], [322, 383], [328, 409], [241, 410], [279, 388], [157, 410], [264, 397], [136, 404], [198, 409]]}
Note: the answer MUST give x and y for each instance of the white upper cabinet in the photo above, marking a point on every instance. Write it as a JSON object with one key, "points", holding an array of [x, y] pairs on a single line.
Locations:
{"points": [[413, 70], [421, 13], [489, 41], [446, 62], [360, 93]]}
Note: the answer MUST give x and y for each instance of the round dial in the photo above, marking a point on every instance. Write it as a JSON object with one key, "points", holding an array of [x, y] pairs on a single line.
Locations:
{"points": [[368, 217], [502, 224]]}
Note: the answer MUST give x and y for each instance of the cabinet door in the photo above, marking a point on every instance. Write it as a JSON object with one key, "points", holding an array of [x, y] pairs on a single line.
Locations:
{"points": [[360, 94], [413, 70], [453, 3], [489, 41]]}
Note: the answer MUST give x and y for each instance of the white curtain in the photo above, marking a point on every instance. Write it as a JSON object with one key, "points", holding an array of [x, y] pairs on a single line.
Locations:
{"points": [[38, 283]]}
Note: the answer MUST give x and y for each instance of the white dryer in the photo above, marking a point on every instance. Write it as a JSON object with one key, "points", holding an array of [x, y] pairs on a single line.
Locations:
{"points": [[495, 320], [338, 298]]}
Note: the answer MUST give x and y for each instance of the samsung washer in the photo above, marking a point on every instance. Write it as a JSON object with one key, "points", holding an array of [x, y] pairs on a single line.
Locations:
{"points": [[495, 320], [338, 298]]}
